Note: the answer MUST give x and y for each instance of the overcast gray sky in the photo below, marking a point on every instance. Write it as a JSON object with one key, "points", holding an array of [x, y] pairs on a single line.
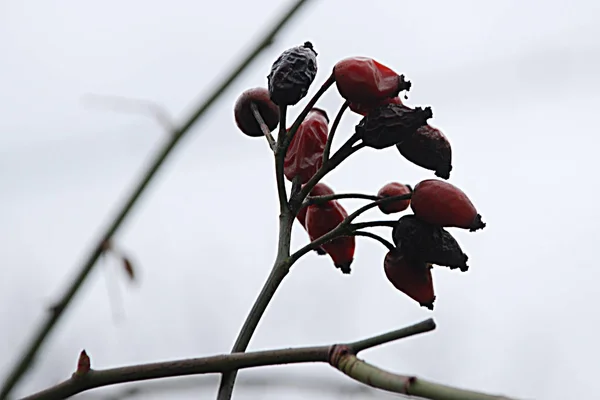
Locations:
{"points": [[513, 84]]}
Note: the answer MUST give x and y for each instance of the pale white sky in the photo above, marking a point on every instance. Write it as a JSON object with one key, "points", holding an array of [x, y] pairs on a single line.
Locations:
{"points": [[513, 85]]}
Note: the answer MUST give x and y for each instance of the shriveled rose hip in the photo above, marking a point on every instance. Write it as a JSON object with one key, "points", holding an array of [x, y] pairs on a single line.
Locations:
{"points": [[419, 240], [430, 149], [390, 124], [320, 189], [292, 74], [364, 80], [322, 219], [441, 203], [412, 278], [365, 108], [394, 189], [244, 117]]}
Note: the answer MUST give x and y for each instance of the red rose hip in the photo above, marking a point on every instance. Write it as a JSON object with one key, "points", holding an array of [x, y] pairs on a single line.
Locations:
{"points": [[322, 219], [443, 204], [365, 108], [394, 189], [320, 189], [410, 277], [304, 156], [244, 117], [366, 81]]}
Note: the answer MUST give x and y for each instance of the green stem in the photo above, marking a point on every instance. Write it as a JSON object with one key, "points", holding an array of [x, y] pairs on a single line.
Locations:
{"points": [[336, 123], [61, 305]]}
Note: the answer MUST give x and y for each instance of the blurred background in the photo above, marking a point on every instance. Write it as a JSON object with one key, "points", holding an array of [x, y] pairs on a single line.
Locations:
{"points": [[513, 84]]}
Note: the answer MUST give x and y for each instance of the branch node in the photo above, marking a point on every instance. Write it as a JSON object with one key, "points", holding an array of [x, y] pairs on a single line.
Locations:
{"points": [[336, 353]]}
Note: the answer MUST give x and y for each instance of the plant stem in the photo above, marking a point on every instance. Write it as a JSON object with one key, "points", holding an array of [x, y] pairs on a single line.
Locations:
{"points": [[336, 123], [60, 306], [323, 199], [373, 224], [346, 227], [371, 235], [83, 381], [280, 153], [263, 126]]}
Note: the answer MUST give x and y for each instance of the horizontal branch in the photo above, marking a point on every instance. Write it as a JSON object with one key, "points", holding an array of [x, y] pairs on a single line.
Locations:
{"points": [[92, 379]]}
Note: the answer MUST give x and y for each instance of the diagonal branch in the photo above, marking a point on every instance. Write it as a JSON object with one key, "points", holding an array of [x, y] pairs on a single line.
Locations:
{"points": [[375, 236], [336, 123], [90, 261]]}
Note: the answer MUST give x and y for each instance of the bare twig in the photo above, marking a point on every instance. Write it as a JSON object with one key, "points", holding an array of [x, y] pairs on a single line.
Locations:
{"points": [[373, 224], [52, 318], [336, 123], [371, 235], [263, 126], [280, 153], [91, 379]]}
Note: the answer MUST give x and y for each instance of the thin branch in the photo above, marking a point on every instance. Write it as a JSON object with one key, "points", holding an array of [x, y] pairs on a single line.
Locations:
{"points": [[371, 235], [323, 199], [336, 123], [280, 154], [346, 227], [52, 318], [263, 126], [378, 378], [127, 104], [342, 154], [216, 364], [373, 224], [412, 330]]}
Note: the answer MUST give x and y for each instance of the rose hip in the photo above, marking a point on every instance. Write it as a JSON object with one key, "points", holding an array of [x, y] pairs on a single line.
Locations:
{"points": [[322, 219], [366, 81], [419, 240], [320, 189], [430, 149], [365, 108], [441, 203], [412, 278], [394, 189], [304, 156], [292, 74], [390, 124], [244, 117]]}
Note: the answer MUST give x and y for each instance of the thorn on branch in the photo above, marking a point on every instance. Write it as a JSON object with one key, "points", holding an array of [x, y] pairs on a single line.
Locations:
{"points": [[83, 365]]}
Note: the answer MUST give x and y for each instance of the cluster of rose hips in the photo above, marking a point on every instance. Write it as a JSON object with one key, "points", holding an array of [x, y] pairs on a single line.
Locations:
{"points": [[371, 90]]}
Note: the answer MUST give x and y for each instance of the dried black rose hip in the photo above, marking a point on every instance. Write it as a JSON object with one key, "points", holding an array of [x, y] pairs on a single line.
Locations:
{"points": [[430, 149], [428, 243], [391, 124], [244, 118], [292, 74]]}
